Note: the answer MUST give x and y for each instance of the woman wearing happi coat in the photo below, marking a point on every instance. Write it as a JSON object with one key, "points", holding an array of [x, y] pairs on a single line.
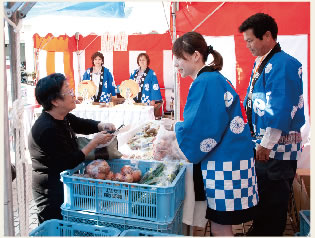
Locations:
{"points": [[215, 134], [102, 78], [150, 93]]}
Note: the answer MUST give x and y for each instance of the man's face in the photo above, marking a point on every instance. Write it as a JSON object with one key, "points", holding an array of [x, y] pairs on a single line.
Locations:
{"points": [[256, 46]]}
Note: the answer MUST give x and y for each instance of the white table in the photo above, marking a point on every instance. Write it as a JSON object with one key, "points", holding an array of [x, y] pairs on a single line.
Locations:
{"points": [[118, 115]]}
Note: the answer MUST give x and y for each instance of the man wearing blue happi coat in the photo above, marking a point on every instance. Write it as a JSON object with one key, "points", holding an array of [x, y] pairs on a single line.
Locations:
{"points": [[275, 111]]}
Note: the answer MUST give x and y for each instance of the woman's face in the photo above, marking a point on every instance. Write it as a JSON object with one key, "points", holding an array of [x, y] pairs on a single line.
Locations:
{"points": [[68, 101], [186, 66], [98, 61], [143, 63]]}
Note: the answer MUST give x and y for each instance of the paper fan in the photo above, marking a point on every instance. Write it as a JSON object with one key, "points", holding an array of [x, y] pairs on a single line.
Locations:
{"points": [[87, 88], [133, 87]]}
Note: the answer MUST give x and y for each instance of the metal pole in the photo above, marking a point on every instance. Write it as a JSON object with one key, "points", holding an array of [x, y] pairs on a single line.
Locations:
{"points": [[8, 197], [176, 91], [14, 71], [14, 66]]}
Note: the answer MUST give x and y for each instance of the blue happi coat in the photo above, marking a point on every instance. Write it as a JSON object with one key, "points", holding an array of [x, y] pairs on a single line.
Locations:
{"points": [[215, 132], [107, 84], [150, 87], [278, 103]]}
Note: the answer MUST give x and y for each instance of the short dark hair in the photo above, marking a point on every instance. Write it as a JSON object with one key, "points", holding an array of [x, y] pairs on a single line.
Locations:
{"points": [[194, 41], [99, 54], [48, 89], [260, 23], [146, 56]]}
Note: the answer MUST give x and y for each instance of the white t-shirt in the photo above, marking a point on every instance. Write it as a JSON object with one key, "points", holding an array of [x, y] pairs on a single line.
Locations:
{"points": [[96, 80]]}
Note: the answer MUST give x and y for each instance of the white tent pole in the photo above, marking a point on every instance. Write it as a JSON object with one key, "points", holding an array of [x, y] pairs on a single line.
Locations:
{"points": [[176, 86], [210, 14], [77, 38]]}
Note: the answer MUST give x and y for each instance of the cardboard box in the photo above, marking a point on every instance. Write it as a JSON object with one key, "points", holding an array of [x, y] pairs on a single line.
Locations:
{"points": [[304, 175], [301, 196]]}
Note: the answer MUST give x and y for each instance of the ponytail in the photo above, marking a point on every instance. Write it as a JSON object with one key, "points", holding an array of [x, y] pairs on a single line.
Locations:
{"points": [[194, 41], [217, 62]]}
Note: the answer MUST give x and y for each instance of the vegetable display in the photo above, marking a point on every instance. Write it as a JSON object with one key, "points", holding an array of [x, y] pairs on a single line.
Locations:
{"points": [[99, 169], [162, 174]]}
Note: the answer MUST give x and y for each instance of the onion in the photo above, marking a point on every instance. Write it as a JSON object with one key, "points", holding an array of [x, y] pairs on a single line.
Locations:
{"points": [[100, 176], [128, 178], [118, 177], [91, 166], [136, 175], [104, 167], [110, 175], [126, 169]]}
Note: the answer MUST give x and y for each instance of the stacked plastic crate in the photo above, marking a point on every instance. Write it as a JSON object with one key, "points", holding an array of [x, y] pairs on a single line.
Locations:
{"points": [[64, 228], [304, 223], [124, 205]]}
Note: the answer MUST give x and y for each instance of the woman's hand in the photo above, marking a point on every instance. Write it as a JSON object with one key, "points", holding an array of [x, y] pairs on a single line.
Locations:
{"points": [[102, 138], [99, 138], [102, 126]]}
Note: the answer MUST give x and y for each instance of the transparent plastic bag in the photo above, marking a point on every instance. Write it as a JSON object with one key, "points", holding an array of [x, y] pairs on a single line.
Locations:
{"points": [[165, 146]]}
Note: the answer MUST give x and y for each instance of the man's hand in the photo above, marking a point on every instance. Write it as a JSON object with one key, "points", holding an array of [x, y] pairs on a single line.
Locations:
{"points": [[262, 153]]}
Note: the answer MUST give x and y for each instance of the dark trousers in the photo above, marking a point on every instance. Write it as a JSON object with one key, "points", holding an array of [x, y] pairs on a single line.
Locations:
{"points": [[274, 179], [48, 206]]}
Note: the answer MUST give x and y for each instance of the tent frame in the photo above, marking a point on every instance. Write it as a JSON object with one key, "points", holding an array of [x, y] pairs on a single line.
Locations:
{"points": [[13, 13]]}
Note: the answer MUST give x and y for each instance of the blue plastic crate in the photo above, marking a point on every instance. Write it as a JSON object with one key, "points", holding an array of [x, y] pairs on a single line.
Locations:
{"points": [[134, 232], [131, 200], [65, 228], [304, 223], [122, 224]]}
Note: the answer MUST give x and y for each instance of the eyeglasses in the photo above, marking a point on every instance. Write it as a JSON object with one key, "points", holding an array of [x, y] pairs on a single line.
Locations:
{"points": [[69, 92]]}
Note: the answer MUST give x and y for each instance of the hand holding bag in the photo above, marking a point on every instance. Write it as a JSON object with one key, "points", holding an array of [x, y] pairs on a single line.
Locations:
{"points": [[108, 152]]}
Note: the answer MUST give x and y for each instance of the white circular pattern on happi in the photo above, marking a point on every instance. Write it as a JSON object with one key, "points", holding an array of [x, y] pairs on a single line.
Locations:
{"points": [[294, 109], [268, 68], [155, 86], [207, 145], [228, 99], [259, 107], [301, 101], [146, 87], [237, 125], [105, 84]]}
